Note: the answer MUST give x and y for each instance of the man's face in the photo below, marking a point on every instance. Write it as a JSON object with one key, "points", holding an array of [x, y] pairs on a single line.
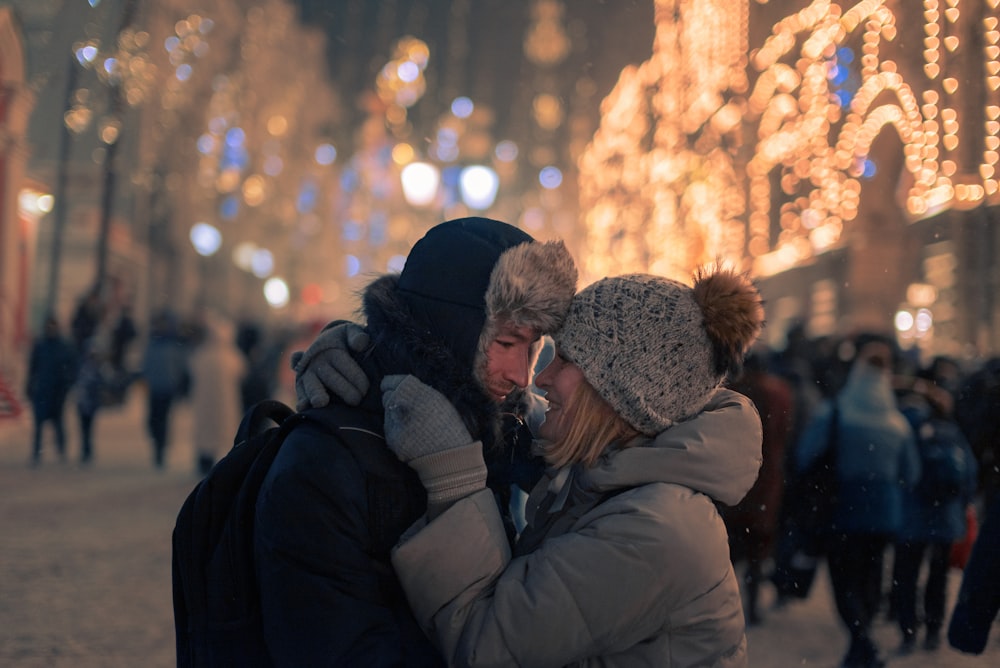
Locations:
{"points": [[559, 380], [509, 358]]}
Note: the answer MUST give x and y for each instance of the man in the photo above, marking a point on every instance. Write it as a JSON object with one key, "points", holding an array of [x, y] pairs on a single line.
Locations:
{"points": [[464, 316], [52, 369]]}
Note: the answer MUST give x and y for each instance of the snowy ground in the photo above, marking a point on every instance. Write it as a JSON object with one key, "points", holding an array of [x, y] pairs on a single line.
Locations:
{"points": [[85, 561]]}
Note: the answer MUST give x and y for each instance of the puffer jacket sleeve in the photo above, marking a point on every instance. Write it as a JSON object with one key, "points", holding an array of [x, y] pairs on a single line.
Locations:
{"points": [[599, 590]]}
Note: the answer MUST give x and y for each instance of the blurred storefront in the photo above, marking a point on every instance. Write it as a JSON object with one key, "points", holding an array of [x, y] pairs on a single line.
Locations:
{"points": [[19, 203]]}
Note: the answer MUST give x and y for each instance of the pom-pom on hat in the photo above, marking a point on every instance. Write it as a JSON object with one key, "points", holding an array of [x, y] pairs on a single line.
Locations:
{"points": [[656, 349]]}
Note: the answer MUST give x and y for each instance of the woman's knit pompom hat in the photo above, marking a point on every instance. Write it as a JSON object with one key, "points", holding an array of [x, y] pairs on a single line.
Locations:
{"points": [[656, 349]]}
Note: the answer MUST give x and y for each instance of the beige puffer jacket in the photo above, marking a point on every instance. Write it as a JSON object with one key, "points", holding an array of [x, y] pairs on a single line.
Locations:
{"points": [[640, 578]]}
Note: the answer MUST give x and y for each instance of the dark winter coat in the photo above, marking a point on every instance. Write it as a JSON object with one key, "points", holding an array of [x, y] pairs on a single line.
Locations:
{"points": [[979, 596], [877, 456], [329, 595], [937, 521], [52, 370]]}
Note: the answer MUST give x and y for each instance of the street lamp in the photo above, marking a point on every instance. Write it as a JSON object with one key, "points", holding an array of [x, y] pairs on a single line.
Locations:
{"points": [[478, 185], [420, 183]]}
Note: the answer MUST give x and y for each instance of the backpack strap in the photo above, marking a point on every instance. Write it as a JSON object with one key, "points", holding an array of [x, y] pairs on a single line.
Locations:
{"points": [[255, 420]]}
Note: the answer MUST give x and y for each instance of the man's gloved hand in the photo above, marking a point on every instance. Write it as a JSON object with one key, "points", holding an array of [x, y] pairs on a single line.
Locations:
{"points": [[327, 368], [427, 433]]}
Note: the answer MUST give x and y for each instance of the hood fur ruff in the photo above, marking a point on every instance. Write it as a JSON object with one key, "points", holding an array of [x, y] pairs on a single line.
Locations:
{"points": [[532, 285], [401, 347]]}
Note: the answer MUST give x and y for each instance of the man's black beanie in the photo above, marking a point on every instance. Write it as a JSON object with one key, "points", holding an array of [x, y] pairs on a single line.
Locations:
{"points": [[446, 276]]}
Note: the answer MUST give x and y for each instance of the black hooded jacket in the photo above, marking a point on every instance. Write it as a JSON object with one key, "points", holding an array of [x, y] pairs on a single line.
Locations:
{"points": [[326, 522]]}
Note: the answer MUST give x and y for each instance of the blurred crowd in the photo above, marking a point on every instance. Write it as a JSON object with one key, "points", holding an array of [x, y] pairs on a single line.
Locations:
{"points": [[891, 539], [93, 361]]}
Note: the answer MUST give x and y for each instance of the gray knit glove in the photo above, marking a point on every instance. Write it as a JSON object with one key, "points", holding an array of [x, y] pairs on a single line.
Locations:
{"points": [[327, 368], [427, 433]]}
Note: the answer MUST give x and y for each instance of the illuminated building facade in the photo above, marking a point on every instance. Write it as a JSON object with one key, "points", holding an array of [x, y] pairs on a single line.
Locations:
{"points": [[844, 153]]}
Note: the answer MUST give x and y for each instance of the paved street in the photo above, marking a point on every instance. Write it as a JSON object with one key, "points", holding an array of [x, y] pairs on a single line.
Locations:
{"points": [[85, 561]]}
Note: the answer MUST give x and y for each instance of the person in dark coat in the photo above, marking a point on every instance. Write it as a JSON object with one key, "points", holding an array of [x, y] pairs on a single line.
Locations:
{"points": [[753, 522], [464, 316], [90, 394], [86, 318], [931, 522], [164, 367], [978, 602], [52, 369]]}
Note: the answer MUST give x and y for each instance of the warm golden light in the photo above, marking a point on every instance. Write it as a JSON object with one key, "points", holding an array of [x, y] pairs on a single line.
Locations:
{"points": [[673, 203]]}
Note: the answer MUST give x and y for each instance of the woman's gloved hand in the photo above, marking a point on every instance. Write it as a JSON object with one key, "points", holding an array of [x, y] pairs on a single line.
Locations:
{"points": [[327, 367], [427, 433]]}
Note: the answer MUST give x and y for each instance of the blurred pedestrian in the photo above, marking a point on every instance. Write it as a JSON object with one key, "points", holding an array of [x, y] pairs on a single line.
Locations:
{"points": [[976, 408], [263, 357], [164, 368], [933, 511], [119, 375], [87, 318], [217, 368], [52, 369], [753, 522], [91, 392], [978, 602], [795, 566], [876, 459]]}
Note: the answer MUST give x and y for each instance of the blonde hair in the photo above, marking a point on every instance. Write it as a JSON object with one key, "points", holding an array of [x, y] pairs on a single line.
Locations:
{"points": [[593, 425]]}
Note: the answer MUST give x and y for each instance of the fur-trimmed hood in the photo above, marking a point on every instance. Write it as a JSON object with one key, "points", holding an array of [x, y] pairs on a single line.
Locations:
{"points": [[531, 286], [401, 346]]}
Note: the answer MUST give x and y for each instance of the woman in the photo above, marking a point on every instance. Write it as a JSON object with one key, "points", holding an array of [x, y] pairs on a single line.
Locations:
{"points": [[625, 559]]}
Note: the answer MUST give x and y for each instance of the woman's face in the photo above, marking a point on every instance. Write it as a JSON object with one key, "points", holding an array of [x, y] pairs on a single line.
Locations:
{"points": [[559, 381]]}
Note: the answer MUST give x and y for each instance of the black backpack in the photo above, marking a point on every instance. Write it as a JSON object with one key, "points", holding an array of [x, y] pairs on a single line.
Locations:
{"points": [[217, 615]]}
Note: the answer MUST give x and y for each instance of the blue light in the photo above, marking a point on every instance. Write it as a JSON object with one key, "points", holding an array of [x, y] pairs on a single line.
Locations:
{"points": [[450, 176], [353, 231], [205, 238], [206, 144], [353, 265], [845, 55], [869, 170], [307, 197], [326, 154], [506, 151], [349, 180], [229, 208], [183, 72], [845, 97], [235, 137], [462, 107], [550, 177], [396, 263]]}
